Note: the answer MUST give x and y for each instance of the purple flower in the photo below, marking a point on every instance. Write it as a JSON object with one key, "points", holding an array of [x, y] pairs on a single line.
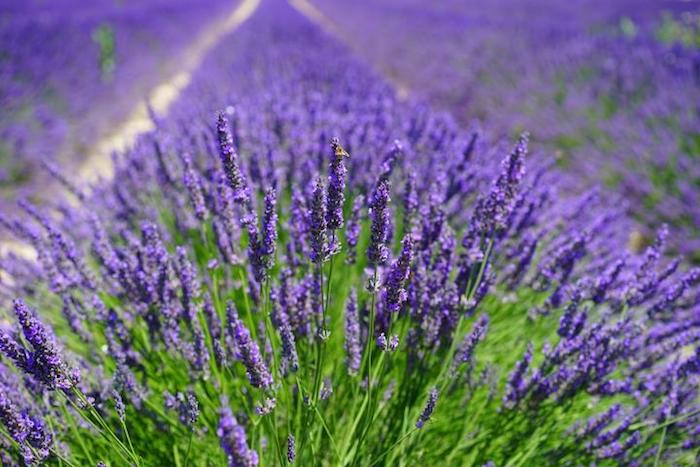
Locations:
{"points": [[382, 343], [572, 321], [269, 224], [465, 351], [353, 346], [13, 420], [428, 409], [258, 374], [394, 343], [229, 159], [598, 422], [410, 201], [317, 224], [390, 160], [395, 293], [326, 389], [352, 231], [516, 386], [266, 407], [119, 406], [188, 281], [44, 360], [618, 449], [603, 283], [378, 252], [493, 212], [233, 441], [387, 345], [29, 431], [194, 188], [611, 435], [280, 318], [262, 247], [336, 186], [291, 449]]}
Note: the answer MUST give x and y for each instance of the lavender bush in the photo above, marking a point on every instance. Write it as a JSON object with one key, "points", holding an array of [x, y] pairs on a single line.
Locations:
{"points": [[298, 267]]}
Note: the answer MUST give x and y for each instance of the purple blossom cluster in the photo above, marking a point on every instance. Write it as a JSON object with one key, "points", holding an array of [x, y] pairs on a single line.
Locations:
{"points": [[234, 442], [43, 360], [209, 256], [21, 421]]}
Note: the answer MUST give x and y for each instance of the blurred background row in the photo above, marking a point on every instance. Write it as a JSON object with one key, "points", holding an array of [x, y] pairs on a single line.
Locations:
{"points": [[611, 89], [70, 70]]}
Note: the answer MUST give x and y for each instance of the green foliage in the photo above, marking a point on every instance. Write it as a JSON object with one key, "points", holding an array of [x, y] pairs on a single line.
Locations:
{"points": [[628, 28], [684, 30], [103, 36], [351, 427]]}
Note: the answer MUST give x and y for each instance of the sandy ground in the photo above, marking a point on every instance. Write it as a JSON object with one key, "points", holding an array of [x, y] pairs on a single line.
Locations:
{"points": [[161, 97], [331, 28]]}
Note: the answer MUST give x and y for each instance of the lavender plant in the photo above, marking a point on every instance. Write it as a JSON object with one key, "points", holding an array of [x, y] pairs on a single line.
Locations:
{"points": [[297, 267]]}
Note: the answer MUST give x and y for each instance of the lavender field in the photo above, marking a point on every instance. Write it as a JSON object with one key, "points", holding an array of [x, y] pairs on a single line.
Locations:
{"points": [[317, 232]]}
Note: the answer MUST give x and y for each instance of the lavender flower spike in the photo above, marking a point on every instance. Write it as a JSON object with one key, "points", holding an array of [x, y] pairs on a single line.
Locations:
{"points": [[262, 248], [395, 295], [466, 350], [317, 224], [233, 441], [291, 449], [493, 212], [194, 188], [353, 346], [336, 186], [29, 432], [428, 409], [258, 374], [280, 319], [378, 252], [352, 232], [516, 385], [44, 361], [234, 175]]}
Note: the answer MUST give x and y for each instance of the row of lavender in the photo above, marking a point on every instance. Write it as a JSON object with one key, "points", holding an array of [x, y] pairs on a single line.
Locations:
{"points": [[71, 70], [252, 290], [612, 87]]}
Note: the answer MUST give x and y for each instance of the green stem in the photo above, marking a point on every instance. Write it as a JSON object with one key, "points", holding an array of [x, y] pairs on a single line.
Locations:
{"points": [[472, 288], [321, 342], [369, 346], [189, 447], [273, 429], [328, 431], [657, 458], [105, 431], [390, 448], [126, 433], [75, 431]]}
